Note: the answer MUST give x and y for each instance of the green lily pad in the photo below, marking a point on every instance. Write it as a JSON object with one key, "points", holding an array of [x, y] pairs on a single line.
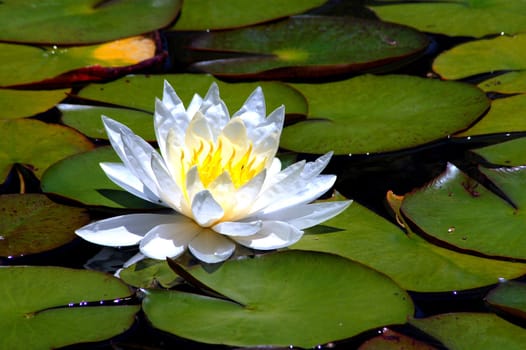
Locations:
{"points": [[311, 293], [412, 262], [508, 83], [381, 114], [307, 46], [36, 145], [149, 273], [81, 178], [31, 223], [506, 115], [483, 56], [206, 15], [37, 307], [458, 210], [510, 297], [140, 91], [87, 120], [457, 17], [473, 331], [23, 65], [391, 340], [23, 103], [509, 153], [82, 21]]}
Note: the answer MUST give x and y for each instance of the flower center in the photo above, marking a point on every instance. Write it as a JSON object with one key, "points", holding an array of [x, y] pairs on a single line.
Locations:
{"points": [[214, 159]]}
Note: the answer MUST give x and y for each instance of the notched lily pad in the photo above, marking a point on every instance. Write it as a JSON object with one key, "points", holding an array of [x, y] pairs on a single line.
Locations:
{"points": [[82, 21], [509, 153], [509, 297], [31, 223], [307, 46], [311, 293], [49, 307], [458, 210], [37, 145], [382, 114], [25, 103]]}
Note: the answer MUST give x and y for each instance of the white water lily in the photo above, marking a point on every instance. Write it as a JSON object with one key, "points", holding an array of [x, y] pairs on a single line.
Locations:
{"points": [[220, 176]]}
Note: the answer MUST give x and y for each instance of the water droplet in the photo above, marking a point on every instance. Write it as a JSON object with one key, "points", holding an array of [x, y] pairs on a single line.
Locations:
{"points": [[451, 229], [455, 292], [2, 238], [502, 280]]}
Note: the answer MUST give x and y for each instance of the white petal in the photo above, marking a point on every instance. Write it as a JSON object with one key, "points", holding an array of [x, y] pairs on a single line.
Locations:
{"points": [[194, 105], [315, 168], [273, 235], [168, 190], [122, 230], [211, 247], [233, 228], [114, 130], [255, 104], [123, 177], [166, 122], [169, 240], [246, 195], [214, 109], [307, 215], [205, 209]]}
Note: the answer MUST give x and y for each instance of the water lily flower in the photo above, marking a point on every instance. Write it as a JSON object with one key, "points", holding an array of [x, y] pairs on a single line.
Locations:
{"points": [[219, 175]]}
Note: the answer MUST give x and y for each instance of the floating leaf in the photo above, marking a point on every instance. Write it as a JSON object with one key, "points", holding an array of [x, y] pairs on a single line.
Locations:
{"points": [[510, 297], [319, 297], [391, 340], [237, 13], [22, 65], [82, 21], [458, 210], [307, 46], [506, 115], [456, 18], [148, 273], [24, 103], [31, 223], [412, 262], [140, 91], [81, 178], [87, 119], [509, 153], [473, 331], [36, 311], [381, 114], [508, 83], [482, 56], [36, 145]]}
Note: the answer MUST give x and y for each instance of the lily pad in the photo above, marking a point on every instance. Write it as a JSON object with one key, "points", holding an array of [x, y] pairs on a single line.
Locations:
{"points": [[475, 18], [381, 114], [23, 103], [509, 153], [140, 91], [87, 119], [81, 178], [508, 83], [506, 115], [510, 297], [36, 145], [31, 223], [149, 273], [311, 293], [307, 46], [206, 15], [23, 65], [82, 21], [47, 307], [483, 56], [473, 331], [412, 262], [458, 210], [391, 340]]}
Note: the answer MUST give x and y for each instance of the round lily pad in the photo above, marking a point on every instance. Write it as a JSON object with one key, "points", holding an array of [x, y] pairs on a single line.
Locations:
{"points": [[508, 83], [473, 331], [236, 13], [81, 178], [288, 298], [483, 56], [140, 91], [50, 307], [82, 21], [24, 103], [381, 114], [307, 46], [458, 210], [456, 18], [36, 145], [509, 297], [31, 223], [413, 263]]}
